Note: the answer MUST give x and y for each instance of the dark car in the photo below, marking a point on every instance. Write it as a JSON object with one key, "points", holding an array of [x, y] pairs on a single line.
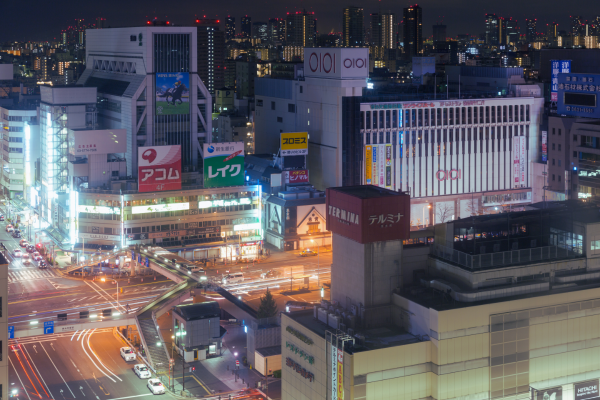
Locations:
{"points": [[16, 234], [42, 265], [30, 248]]}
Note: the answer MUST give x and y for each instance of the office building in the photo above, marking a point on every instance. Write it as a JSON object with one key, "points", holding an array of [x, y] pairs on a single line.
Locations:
{"points": [[101, 23], [246, 29], [531, 30], [211, 54], [552, 31], [276, 30], [512, 31], [230, 27], [300, 29], [4, 335], [577, 25], [492, 29], [353, 29], [413, 31], [439, 33], [384, 28], [260, 32], [129, 88], [20, 151], [447, 321]]}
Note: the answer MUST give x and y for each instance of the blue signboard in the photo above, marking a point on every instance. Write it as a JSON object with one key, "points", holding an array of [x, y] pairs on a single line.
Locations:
{"points": [[557, 67], [132, 255], [147, 263], [140, 258], [48, 327], [578, 95], [11, 332]]}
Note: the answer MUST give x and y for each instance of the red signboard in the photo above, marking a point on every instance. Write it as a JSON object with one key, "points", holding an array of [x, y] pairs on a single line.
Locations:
{"points": [[159, 168], [297, 176], [368, 213]]}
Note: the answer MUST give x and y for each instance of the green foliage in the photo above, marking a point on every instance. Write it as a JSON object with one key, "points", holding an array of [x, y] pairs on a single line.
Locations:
{"points": [[268, 307], [277, 374]]}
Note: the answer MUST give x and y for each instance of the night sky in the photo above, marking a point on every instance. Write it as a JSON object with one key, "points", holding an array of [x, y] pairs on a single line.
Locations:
{"points": [[43, 20]]}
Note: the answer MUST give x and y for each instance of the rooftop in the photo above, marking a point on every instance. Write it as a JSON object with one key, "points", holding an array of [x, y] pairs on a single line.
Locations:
{"points": [[374, 338], [194, 312], [367, 191]]}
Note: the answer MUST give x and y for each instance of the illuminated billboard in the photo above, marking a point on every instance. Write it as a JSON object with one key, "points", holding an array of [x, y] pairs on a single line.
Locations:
{"points": [[294, 144], [224, 203], [172, 93], [160, 208], [98, 209], [223, 164], [107, 141], [159, 168]]}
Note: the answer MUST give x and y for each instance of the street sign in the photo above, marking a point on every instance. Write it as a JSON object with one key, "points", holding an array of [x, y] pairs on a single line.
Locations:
{"points": [[237, 363], [147, 263], [132, 255], [11, 332], [48, 327], [140, 258]]}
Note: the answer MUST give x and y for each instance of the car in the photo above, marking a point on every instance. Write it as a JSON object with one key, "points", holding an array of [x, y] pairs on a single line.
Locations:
{"points": [[155, 386], [42, 265], [9, 228], [195, 268], [23, 243], [16, 234], [308, 253], [37, 256], [127, 354], [142, 371], [30, 248], [270, 274], [17, 253], [1, 217], [25, 256], [235, 277]]}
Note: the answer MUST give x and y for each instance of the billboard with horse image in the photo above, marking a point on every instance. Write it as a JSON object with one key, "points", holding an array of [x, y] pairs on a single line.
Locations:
{"points": [[172, 93]]}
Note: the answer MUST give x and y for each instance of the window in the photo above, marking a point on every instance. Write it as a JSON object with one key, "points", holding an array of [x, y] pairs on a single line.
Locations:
{"points": [[554, 131], [559, 163], [292, 108], [272, 105], [574, 138], [553, 177], [15, 150], [559, 131], [553, 162], [279, 119], [559, 178], [301, 88], [553, 146], [559, 147], [115, 173], [259, 103], [574, 154], [132, 38], [15, 140]]}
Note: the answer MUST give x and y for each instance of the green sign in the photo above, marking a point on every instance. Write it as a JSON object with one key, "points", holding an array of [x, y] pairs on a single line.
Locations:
{"points": [[224, 164]]}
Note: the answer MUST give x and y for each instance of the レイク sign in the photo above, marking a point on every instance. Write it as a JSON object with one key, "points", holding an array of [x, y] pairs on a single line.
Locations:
{"points": [[223, 164]]}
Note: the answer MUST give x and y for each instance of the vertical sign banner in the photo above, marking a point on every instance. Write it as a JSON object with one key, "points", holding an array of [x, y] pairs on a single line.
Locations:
{"points": [[375, 170], [368, 164], [334, 377], [523, 160], [172, 93], [340, 375], [381, 166], [223, 164], [516, 159], [544, 145], [388, 165], [557, 67], [159, 168]]}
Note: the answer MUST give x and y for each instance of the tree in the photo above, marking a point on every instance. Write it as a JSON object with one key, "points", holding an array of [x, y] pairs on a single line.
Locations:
{"points": [[444, 212], [268, 307]]}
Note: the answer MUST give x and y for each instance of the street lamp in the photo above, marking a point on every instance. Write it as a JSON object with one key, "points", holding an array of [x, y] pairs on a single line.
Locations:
{"points": [[429, 207]]}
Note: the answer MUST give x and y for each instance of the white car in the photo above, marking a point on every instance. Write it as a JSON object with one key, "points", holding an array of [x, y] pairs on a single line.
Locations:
{"points": [[37, 257], [142, 371], [127, 354], [17, 253], [155, 386]]}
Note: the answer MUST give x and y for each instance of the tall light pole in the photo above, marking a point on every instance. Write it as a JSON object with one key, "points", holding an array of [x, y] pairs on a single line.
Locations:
{"points": [[318, 268]]}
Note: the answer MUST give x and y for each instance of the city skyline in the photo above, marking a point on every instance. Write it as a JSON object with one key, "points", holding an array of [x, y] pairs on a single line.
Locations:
{"points": [[471, 14]]}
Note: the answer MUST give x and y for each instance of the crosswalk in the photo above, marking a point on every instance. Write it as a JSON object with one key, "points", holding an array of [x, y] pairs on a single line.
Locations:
{"points": [[29, 274]]}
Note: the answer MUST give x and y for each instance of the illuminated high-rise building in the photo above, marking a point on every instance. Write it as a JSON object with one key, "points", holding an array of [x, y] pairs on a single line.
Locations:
{"points": [[384, 27], [230, 27], [300, 29], [246, 27], [260, 31], [413, 31], [552, 31], [576, 25], [492, 29], [211, 54], [531, 32], [101, 23], [276, 30], [439, 33], [353, 29]]}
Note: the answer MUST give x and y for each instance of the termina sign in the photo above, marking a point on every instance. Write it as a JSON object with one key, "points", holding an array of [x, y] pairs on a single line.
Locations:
{"points": [[336, 63]]}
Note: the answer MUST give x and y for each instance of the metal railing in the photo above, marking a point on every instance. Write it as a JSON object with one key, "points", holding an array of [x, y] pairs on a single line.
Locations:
{"points": [[504, 258]]}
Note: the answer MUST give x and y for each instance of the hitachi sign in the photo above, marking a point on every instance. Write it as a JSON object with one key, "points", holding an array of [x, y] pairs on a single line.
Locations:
{"points": [[343, 215], [336, 63]]}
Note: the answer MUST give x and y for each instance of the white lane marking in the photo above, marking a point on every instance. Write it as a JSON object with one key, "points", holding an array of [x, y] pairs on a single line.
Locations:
{"points": [[82, 332], [92, 360], [107, 297], [61, 377], [74, 334], [36, 368], [98, 358], [18, 376]]}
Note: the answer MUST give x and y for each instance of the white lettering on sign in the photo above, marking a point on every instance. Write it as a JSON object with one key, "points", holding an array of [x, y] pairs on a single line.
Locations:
{"points": [[385, 220], [344, 216], [452, 174]]}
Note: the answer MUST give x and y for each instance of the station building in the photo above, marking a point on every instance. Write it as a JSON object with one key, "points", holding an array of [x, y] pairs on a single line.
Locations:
{"points": [[507, 306]]}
